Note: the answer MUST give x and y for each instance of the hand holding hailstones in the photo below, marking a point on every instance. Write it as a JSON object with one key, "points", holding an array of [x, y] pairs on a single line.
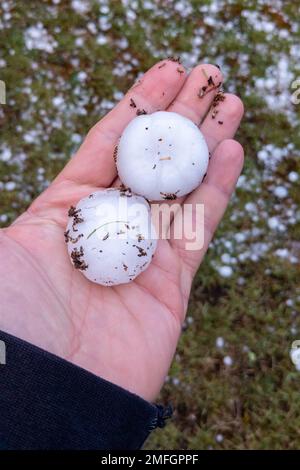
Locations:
{"points": [[160, 156]]}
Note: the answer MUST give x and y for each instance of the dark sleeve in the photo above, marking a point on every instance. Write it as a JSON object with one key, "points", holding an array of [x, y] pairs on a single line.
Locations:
{"points": [[49, 403]]}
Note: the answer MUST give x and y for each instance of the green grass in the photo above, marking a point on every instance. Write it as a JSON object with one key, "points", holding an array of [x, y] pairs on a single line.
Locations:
{"points": [[254, 403]]}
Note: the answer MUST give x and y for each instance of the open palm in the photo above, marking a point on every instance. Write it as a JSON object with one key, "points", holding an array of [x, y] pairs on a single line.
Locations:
{"points": [[126, 334]]}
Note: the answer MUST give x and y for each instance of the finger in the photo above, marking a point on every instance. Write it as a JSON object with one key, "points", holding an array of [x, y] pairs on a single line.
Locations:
{"points": [[222, 120], [196, 96], [214, 193], [93, 163]]}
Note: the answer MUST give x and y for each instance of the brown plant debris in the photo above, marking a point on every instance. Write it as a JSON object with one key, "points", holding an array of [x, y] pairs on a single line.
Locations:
{"points": [[173, 58], [76, 256], [165, 158], [214, 113], [68, 237], [141, 250], [169, 196], [211, 85], [219, 98], [115, 154], [76, 217], [72, 211], [210, 81], [124, 191]]}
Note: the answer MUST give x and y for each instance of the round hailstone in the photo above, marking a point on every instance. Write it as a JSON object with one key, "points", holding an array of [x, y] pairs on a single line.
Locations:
{"points": [[162, 156], [110, 236]]}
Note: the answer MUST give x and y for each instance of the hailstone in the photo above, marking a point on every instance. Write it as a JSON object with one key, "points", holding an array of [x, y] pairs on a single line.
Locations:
{"points": [[110, 236], [162, 156]]}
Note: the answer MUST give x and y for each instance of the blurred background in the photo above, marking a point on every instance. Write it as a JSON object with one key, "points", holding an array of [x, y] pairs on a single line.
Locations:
{"points": [[65, 64]]}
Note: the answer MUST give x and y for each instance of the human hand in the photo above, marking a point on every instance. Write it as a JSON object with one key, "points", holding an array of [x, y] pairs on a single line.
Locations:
{"points": [[126, 334]]}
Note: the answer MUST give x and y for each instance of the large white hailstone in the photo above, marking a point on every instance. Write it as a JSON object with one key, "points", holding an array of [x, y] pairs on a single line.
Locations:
{"points": [[162, 156], [110, 236]]}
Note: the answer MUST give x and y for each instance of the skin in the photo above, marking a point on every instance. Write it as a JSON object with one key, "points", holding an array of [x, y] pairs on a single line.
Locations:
{"points": [[126, 334]]}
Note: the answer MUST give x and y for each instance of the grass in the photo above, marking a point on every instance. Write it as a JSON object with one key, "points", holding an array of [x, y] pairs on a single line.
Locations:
{"points": [[254, 402]]}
